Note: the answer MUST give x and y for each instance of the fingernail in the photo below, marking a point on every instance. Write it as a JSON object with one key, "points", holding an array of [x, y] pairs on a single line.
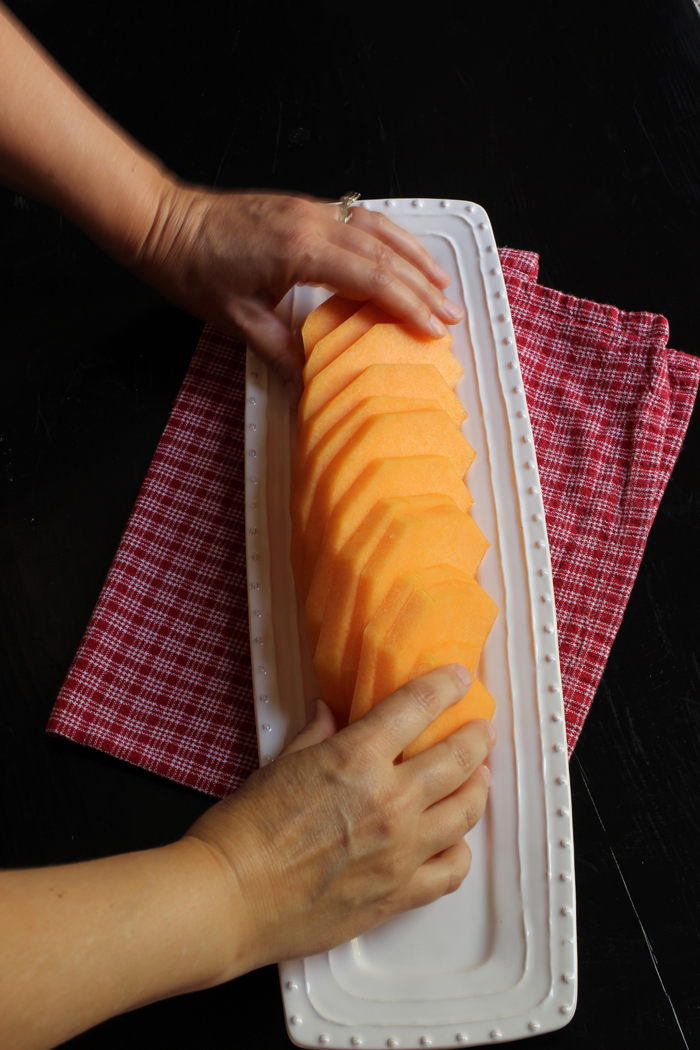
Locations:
{"points": [[441, 274], [492, 732], [464, 673], [437, 327], [451, 309], [486, 774]]}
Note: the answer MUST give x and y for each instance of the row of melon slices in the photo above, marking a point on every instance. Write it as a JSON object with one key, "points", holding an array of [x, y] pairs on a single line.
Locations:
{"points": [[384, 550]]}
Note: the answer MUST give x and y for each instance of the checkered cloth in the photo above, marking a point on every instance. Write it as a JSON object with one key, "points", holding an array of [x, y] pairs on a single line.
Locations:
{"points": [[162, 677]]}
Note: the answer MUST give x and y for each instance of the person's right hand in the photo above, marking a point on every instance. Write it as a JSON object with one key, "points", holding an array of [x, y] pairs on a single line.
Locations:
{"points": [[334, 838], [230, 257]]}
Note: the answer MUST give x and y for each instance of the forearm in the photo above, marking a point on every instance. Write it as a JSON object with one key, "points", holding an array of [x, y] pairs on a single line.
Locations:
{"points": [[56, 145], [84, 942]]}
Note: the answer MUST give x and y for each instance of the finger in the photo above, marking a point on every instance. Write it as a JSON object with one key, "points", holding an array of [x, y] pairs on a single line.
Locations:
{"points": [[402, 242], [448, 821], [438, 876], [320, 726], [358, 278], [273, 341], [385, 256], [398, 720], [439, 770]]}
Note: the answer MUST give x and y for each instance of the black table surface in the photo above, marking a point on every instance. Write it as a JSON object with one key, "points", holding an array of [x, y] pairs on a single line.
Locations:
{"points": [[577, 126]]}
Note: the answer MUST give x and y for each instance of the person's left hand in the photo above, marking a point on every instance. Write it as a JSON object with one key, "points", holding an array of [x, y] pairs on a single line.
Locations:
{"points": [[230, 257], [334, 837]]}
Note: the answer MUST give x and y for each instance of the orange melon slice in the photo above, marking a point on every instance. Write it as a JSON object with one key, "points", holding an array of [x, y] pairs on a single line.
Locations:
{"points": [[347, 333], [307, 469], [419, 381], [407, 434], [441, 535], [382, 622], [353, 556], [325, 318], [396, 476], [383, 344]]}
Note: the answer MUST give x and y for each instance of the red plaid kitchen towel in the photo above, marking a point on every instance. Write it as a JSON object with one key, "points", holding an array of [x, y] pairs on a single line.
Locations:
{"points": [[162, 677]]}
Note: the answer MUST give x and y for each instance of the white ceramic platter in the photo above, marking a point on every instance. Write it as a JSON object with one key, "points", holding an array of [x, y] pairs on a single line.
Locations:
{"points": [[496, 960]]}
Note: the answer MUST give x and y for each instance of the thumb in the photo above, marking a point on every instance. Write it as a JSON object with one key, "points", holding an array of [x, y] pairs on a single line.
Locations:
{"points": [[320, 726], [273, 341]]}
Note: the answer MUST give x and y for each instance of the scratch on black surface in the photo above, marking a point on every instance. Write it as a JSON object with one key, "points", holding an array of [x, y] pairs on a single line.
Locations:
{"points": [[651, 144], [40, 418], [224, 155], [629, 895]]}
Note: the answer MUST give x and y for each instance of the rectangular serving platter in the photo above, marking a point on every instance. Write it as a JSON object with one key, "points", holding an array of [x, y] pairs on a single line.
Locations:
{"points": [[496, 960]]}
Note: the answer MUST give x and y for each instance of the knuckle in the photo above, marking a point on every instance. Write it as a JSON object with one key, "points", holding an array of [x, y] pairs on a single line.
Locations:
{"points": [[395, 868], [463, 757], [383, 256], [298, 209], [300, 243], [423, 695], [380, 225], [343, 756], [471, 813], [382, 274], [388, 815]]}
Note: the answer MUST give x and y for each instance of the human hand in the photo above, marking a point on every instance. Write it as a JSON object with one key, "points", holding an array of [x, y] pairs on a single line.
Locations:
{"points": [[230, 257], [333, 838]]}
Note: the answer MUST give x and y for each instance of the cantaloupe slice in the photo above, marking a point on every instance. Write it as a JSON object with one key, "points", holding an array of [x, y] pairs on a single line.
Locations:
{"points": [[354, 555], [457, 608], [418, 381], [439, 535], [347, 333], [383, 344], [340, 617], [307, 469], [405, 433], [325, 318], [397, 476], [452, 609], [477, 703], [382, 622]]}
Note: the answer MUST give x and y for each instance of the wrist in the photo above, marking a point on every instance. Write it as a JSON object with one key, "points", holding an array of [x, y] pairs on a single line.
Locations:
{"points": [[163, 237], [221, 922]]}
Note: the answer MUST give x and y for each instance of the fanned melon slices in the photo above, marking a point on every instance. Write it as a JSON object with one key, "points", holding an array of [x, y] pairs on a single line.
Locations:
{"points": [[442, 535], [325, 318], [353, 556], [341, 628], [347, 333], [307, 469], [403, 434], [383, 344], [382, 622], [454, 608], [422, 382], [377, 489], [395, 476]]}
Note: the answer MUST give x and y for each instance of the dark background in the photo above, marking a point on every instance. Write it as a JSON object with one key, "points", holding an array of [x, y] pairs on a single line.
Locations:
{"points": [[577, 126]]}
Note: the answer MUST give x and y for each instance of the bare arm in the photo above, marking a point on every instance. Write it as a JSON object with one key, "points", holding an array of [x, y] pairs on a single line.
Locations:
{"points": [[227, 257], [258, 879], [83, 942], [56, 145]]}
